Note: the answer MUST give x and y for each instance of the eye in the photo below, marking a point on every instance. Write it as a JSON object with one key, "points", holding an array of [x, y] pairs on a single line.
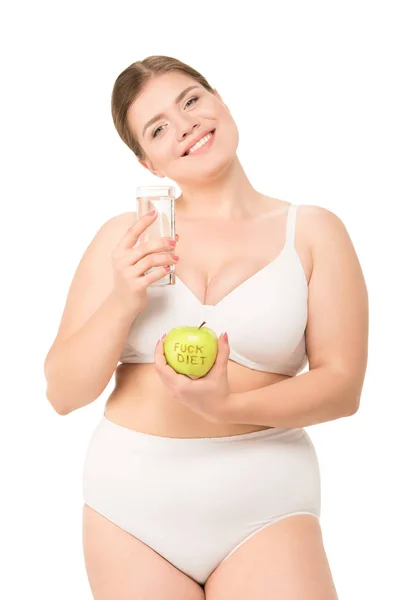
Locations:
{"points": [[155, 132], [195, 98]]}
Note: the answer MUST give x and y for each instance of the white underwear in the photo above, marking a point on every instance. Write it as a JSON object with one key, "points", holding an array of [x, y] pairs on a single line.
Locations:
{"points": [[196, 500]]}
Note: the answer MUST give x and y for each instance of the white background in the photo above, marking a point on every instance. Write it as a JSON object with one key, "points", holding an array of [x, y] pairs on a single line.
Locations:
{"points": [[312, 87]]}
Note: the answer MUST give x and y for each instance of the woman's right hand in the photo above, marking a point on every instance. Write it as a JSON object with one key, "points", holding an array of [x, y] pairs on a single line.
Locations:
{"points": [[130, 263]]}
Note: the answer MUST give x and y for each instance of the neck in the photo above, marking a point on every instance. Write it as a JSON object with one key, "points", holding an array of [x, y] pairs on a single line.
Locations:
{"points": [[228, 195]]}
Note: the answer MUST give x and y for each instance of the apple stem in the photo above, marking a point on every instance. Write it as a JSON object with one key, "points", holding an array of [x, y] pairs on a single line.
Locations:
{"points": [[203, 323]]}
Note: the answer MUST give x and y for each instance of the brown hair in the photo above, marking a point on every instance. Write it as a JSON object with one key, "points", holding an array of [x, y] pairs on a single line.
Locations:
{"points": [[130, 83]]}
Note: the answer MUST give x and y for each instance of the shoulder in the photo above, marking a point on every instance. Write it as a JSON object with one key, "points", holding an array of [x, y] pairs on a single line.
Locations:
{"points": [[315, 214], [108, 234], [321, 226], [324, 238]]}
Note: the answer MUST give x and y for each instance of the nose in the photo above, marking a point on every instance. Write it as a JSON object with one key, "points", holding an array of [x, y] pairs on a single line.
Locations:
{"points": [[185, 128]]}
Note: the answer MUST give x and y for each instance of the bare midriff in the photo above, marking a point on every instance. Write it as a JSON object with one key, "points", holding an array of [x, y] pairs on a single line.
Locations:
{"points": [[140, 401]]}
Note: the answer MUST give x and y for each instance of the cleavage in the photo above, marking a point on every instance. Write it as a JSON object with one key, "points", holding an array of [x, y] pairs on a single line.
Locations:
{"points": [[243, 251]]}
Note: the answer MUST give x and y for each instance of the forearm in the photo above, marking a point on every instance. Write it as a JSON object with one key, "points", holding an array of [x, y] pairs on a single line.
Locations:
{"points": [[317, 396], [79, 368]]}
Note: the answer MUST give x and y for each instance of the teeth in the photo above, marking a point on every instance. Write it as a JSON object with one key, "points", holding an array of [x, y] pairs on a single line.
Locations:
{"points": [[200, 143]]}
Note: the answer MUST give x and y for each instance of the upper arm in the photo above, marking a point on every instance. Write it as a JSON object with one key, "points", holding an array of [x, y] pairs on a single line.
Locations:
{"points": [[337, 327], [93, 278]]}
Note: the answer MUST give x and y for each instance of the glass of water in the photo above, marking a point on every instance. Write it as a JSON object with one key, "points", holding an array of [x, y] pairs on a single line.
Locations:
{"points": [[162, 198]]}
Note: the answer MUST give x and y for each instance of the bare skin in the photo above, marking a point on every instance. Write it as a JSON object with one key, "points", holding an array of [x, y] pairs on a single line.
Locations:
{"points": [[121, 567], [227, 232], [242, 248]]}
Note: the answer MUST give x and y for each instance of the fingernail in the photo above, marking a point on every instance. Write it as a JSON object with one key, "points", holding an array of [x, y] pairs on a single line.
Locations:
{"points": [[151, 213], [225, 336], [163, 337]]}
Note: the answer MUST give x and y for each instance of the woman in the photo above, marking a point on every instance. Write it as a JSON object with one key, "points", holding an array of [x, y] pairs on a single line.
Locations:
{"points": [[208, 488]]}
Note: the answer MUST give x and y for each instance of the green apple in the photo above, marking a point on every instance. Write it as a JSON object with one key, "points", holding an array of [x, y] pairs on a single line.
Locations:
{"points": [[191, 351]]}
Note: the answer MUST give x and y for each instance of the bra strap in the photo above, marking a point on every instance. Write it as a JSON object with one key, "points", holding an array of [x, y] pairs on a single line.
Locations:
{"points": [[291, 225]]}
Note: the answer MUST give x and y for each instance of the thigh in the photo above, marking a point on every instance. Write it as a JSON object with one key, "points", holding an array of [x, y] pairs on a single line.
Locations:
{"points": [[121, 567], [284, 561]]}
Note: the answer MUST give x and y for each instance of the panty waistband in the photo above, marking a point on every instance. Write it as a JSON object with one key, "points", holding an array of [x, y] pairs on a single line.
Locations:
{"points": [[194, 442]]}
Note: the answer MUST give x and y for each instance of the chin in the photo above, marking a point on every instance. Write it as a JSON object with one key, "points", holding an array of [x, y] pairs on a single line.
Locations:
{"points": [[211, 166], [204, 170]]}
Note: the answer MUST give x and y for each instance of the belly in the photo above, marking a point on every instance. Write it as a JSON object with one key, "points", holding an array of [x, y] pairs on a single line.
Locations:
{"points": [[139, 401]]}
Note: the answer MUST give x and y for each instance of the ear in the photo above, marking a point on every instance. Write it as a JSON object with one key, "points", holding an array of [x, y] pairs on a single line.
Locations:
{"points": [[150, 168]]}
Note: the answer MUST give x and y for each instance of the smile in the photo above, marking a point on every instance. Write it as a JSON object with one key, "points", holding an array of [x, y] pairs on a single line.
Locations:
{"points": [[202, 145]]}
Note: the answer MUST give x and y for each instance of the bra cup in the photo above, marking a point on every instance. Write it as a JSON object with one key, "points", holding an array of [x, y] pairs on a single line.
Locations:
{"points": [[265, 317]]}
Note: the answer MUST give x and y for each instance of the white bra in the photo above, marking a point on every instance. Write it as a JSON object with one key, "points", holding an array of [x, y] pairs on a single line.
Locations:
{"points": [[265, 316]]}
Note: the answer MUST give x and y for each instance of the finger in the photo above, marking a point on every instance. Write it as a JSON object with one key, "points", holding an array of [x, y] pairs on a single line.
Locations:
{"points": [[161, 361], [222, 356], [155, 245], [131, 236], [142, 264], [155, 275], [159, 355]]}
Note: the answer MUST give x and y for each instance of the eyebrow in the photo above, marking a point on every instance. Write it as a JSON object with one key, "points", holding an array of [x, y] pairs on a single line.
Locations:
{"points": [[160, 115]]}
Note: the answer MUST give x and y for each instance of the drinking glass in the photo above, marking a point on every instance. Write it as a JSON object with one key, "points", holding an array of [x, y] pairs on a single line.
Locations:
{"points": [[162, 198]]}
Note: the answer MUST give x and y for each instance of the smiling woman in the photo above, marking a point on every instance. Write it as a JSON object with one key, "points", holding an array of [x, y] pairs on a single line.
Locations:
{"points": [[129, 85], [188, 484], [153, 103]]}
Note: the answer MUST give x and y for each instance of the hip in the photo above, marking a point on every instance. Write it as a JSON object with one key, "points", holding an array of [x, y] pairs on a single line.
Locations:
{"points": [[194, 500], [257, 461]]}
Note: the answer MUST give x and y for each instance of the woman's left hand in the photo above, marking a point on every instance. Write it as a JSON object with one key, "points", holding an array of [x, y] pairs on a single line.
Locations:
{"points": [[209, 396]]}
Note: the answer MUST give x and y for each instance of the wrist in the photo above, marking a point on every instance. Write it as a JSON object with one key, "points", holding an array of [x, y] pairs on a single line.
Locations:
{"points": [[121, 311], [229, 414]]}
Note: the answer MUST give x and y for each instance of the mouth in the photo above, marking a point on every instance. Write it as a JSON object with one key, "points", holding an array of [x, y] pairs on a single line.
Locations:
{"points": [[199, 149]]}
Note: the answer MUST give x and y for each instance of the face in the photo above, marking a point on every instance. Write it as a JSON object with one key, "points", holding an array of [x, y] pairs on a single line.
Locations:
{"points": [[181, 119]]}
